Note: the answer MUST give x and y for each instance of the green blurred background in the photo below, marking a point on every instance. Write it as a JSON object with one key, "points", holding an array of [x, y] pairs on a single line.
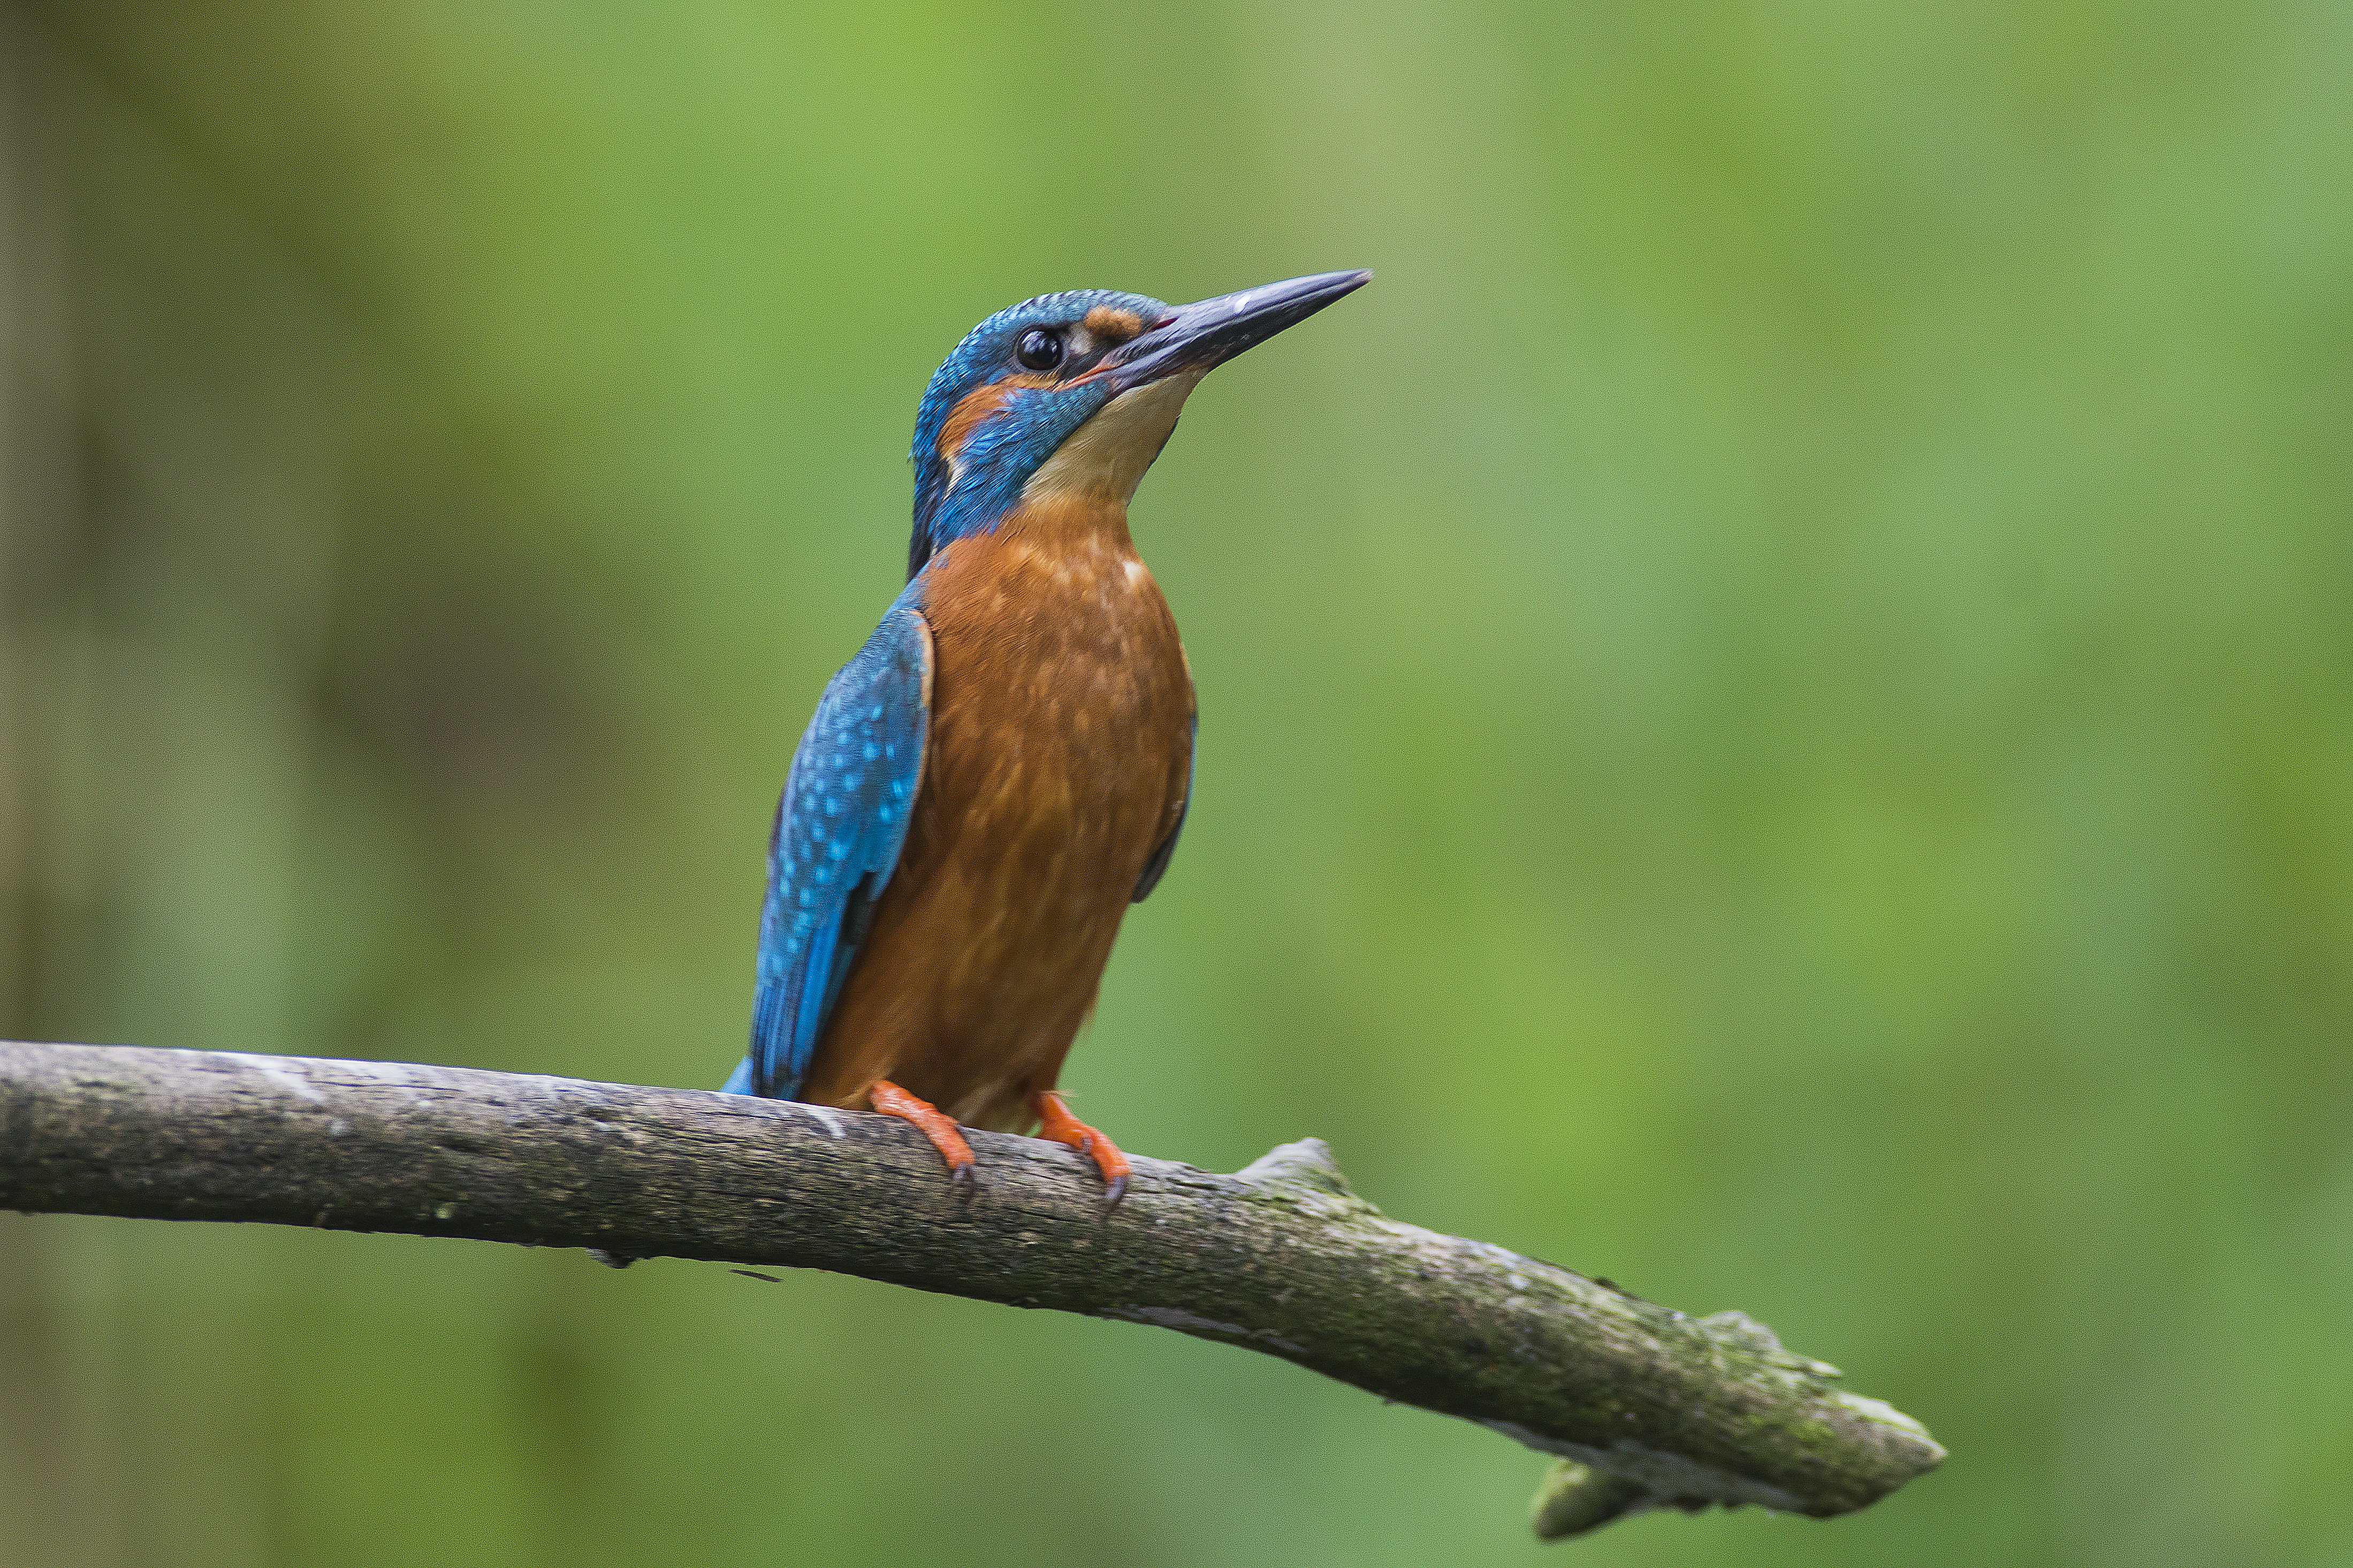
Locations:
{"points": [[1778, 724]]}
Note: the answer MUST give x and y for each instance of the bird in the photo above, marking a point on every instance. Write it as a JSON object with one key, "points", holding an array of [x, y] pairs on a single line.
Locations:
{"points": [[1007, 763]]}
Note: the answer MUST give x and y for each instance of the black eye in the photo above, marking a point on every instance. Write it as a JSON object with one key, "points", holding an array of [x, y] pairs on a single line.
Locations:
{"points": [[1039, 349]]}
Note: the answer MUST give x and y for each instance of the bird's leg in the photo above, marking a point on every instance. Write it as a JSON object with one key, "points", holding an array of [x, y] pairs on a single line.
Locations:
{"points": [[931, 1122], [1064, 1128]]}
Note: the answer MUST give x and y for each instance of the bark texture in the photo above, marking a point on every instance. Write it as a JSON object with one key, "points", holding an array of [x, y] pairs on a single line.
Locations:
{"points": [[1645, 1407]]}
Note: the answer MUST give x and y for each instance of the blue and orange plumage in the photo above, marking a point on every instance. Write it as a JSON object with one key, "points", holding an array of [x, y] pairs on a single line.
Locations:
{"points": [[1007, 763]]}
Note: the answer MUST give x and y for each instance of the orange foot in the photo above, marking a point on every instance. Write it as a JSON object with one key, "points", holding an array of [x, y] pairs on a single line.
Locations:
{"points": [[1064, 1128], [930, 1120]]}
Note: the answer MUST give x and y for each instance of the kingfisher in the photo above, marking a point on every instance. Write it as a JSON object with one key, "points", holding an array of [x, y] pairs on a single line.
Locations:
{"points": [[1006, 764]]}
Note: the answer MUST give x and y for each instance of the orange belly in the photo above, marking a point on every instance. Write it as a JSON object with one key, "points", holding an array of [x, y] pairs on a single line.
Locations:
{"points": [[1058, 761]]}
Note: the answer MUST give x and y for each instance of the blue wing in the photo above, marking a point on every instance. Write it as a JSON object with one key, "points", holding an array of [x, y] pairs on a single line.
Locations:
{"points": [[1158, 863], [840, 826]]}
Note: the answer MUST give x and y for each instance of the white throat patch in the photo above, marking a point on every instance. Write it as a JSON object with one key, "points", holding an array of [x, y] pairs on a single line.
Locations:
{"points": [[1104, 458]]}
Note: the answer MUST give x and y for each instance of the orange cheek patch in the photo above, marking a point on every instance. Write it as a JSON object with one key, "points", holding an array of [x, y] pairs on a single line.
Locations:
{"points": [[1109, 322], [969, 413], [973, 409]]}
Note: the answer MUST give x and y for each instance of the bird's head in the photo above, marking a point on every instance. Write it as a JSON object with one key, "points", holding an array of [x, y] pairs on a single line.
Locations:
{"points": [[1075, 394]]}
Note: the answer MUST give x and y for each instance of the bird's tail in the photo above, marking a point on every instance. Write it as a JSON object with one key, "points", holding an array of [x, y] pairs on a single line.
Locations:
{"points": [[739, 1080]]}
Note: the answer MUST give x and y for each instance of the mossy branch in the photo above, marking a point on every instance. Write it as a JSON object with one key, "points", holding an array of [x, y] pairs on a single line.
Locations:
{"points": [[1645, 1406]]}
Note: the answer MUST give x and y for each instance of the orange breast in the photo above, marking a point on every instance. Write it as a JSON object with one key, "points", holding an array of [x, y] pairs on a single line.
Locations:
{"points": [[1058, 761]]}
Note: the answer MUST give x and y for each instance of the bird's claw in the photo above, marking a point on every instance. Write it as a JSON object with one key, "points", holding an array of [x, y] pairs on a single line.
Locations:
{"points": [[934, 1124], [1059, 1124]]}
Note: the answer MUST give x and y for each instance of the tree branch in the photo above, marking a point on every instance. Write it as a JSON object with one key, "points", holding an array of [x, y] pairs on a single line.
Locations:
{"points": [[1646, 1407]]}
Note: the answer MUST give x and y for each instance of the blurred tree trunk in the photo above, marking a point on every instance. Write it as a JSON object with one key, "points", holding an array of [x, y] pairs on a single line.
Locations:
{"points": [[51, 1512], [200, 453], [167, 498]]}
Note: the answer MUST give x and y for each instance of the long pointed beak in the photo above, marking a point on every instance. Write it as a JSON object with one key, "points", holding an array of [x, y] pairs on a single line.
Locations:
{"points": [[1201, 335]]}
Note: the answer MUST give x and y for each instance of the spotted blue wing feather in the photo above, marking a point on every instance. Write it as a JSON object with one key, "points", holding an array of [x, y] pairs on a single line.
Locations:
{"points": [[840, 826]]}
